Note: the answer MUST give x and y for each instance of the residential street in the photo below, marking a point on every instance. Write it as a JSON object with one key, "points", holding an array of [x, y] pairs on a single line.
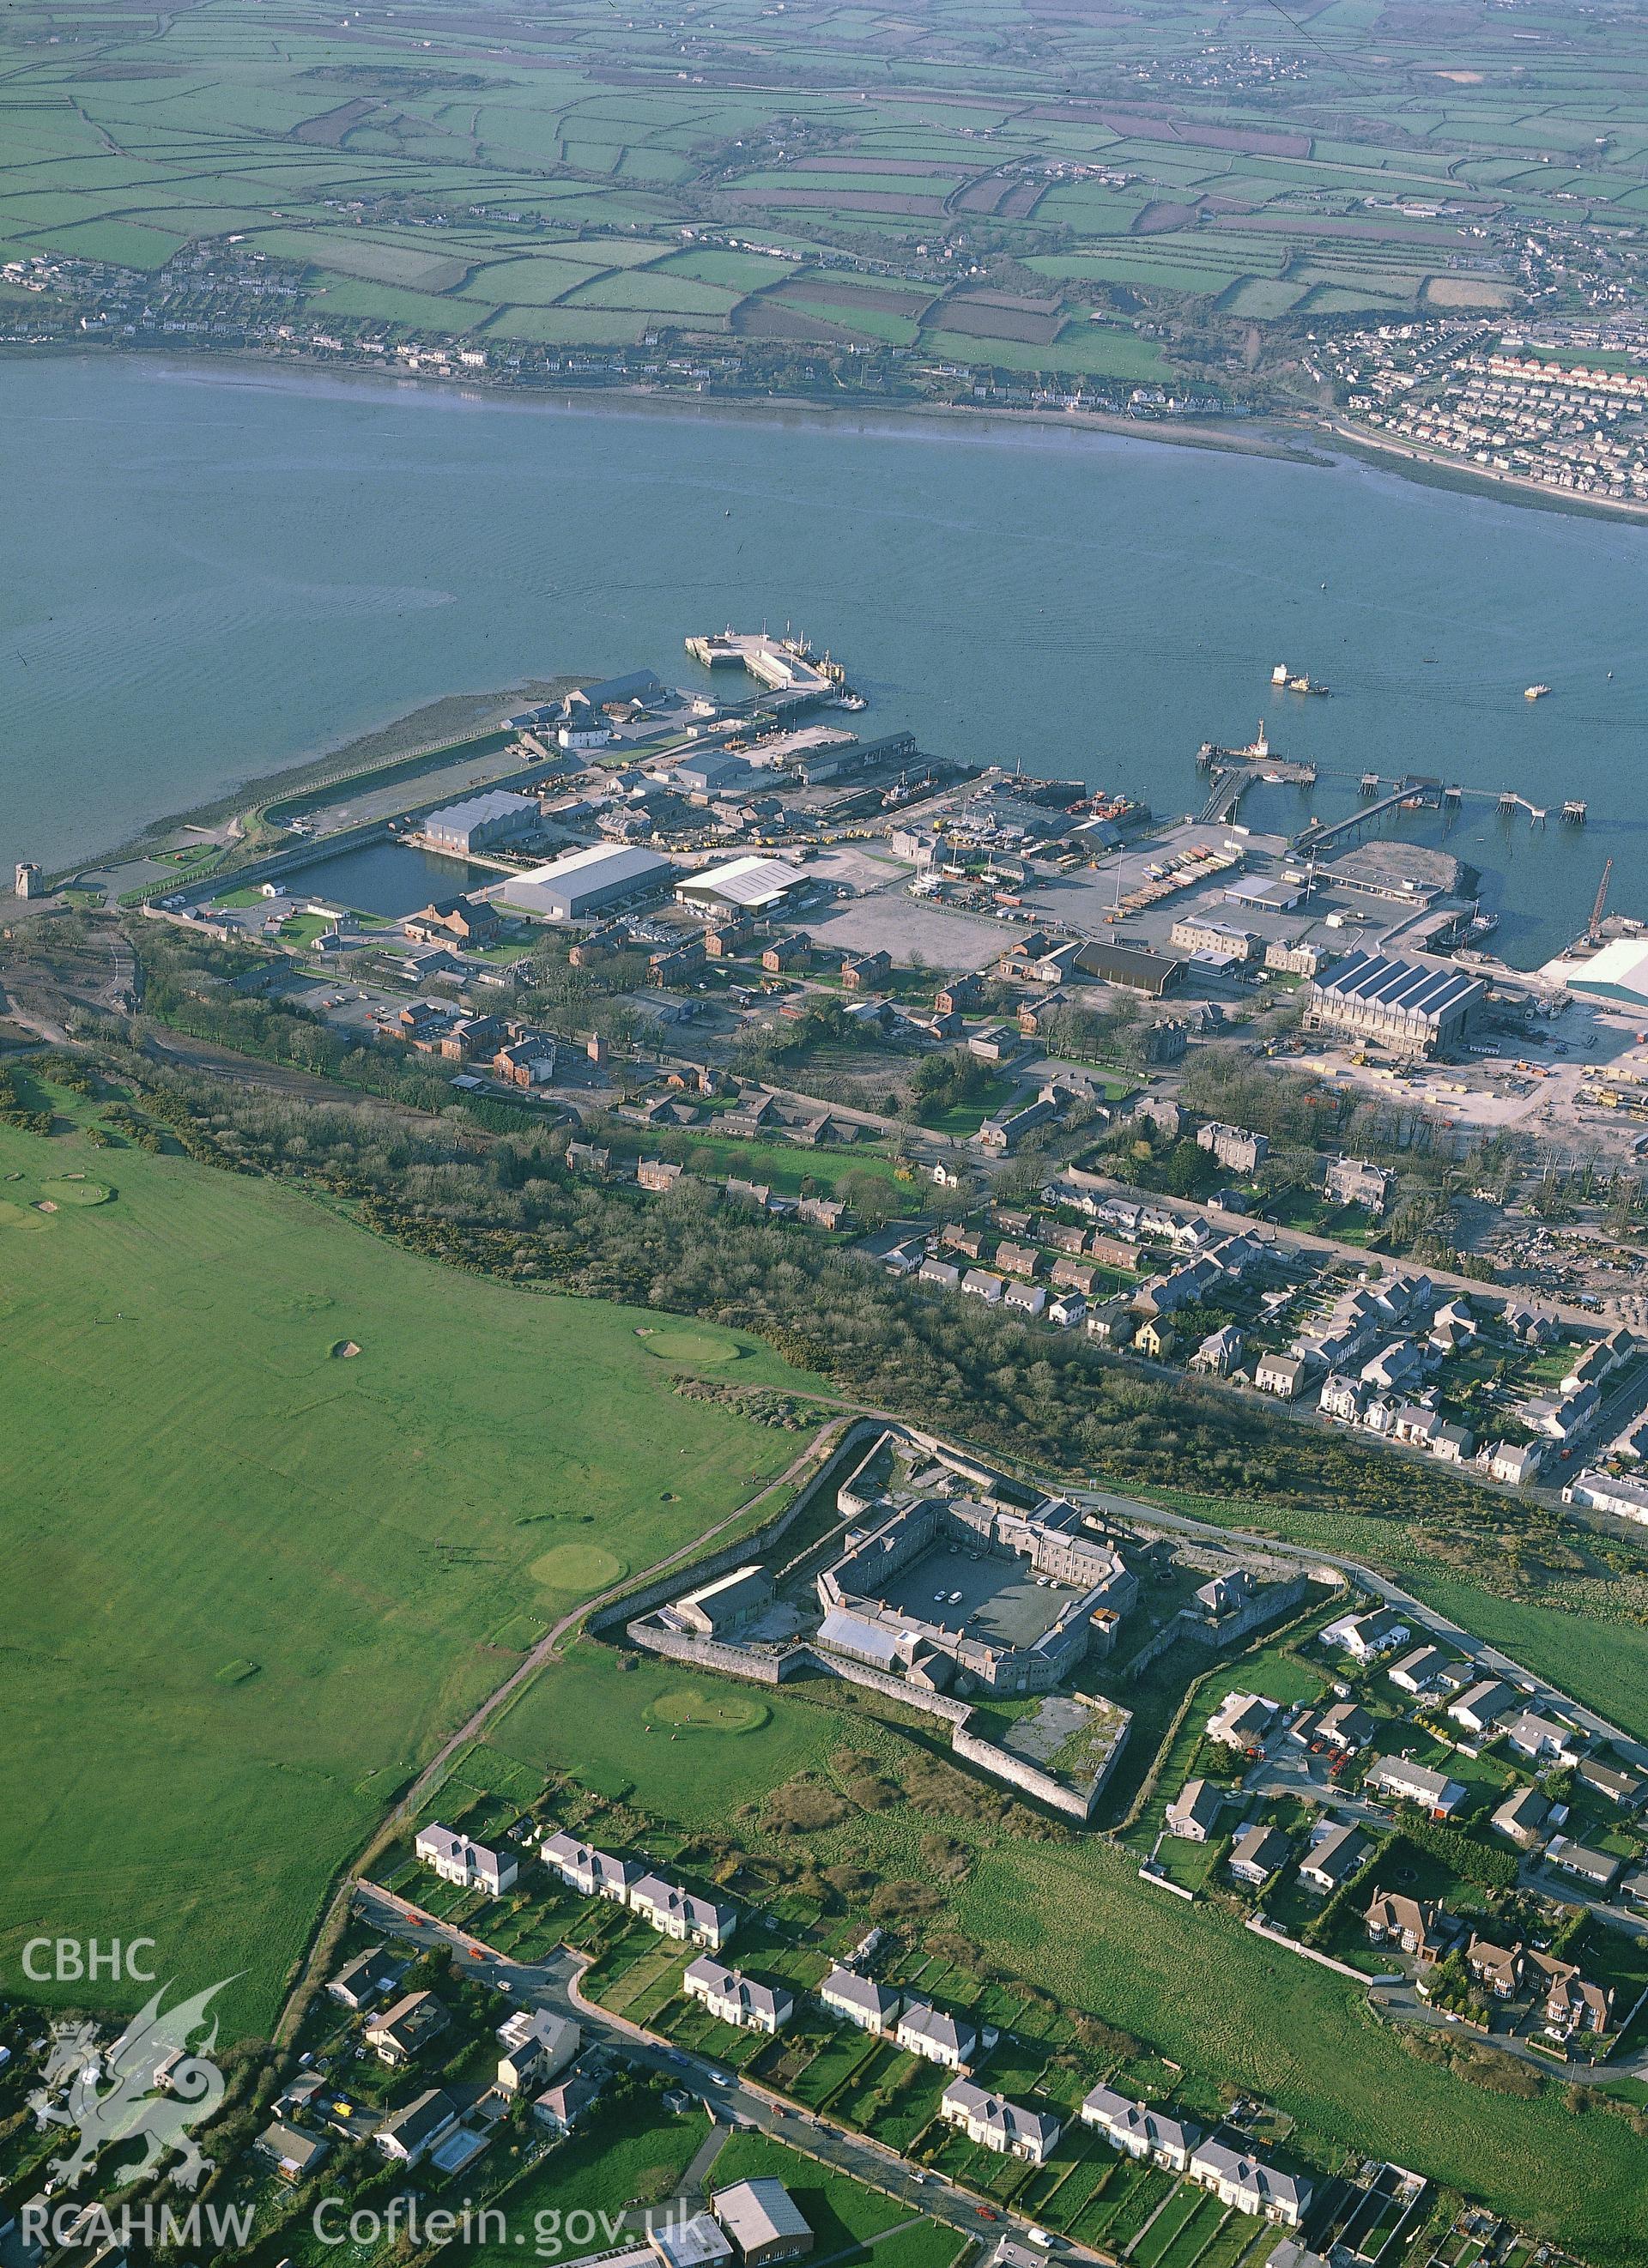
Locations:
{"points": [[554, 1984], [1428, 1621], [1299, 1239]]}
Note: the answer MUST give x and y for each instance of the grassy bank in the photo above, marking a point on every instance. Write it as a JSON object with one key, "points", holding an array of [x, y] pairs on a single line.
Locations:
{"points": [[256, 1576]]}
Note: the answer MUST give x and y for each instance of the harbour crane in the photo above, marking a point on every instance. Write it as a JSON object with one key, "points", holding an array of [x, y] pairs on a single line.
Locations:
{"points": [[1595, 928]]}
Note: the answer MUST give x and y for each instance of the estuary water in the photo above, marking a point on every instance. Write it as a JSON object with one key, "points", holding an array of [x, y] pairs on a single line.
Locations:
{"points": [[207, 572]]}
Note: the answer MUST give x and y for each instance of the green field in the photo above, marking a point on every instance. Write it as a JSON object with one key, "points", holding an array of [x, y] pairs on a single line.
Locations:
{"points": [[611, 1729], [197, 1485]]}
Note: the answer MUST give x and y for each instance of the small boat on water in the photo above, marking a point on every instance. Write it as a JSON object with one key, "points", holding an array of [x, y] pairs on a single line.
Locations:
{"points": [[1294, 680], [1534, 692]]}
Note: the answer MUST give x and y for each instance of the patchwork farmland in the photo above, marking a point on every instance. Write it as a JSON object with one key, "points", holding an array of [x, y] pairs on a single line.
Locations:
{"points": [[816, 194]]}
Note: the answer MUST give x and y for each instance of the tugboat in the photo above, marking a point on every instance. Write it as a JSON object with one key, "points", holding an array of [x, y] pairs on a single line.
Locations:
{"points": [[1293, 682], [1534, 692]]}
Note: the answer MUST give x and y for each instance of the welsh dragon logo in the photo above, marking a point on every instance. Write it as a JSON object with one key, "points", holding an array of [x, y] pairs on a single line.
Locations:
{"points": [[149, 2088]]}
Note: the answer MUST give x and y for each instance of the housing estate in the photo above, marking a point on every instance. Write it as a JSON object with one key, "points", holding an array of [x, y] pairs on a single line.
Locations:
{"points": [[873, 2007], [593, 1873], [682, 1914], [1251, 2186]]}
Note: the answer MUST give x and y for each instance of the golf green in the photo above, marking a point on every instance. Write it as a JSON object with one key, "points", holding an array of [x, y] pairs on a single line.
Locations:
{"points": [[688, 1709], [17, 1216], [677, 1345], [578, 1567]]}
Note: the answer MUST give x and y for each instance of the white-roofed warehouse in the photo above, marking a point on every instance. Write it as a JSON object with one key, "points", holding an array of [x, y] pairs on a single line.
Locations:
{"points": [[752, 884], [586, 882]]}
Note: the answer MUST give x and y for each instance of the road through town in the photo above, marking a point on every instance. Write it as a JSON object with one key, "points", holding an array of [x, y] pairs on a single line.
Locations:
{"points": [[555, 1984]]}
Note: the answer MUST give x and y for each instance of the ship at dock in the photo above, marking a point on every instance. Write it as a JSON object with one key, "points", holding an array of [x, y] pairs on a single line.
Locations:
{"points": [[1292, 680]]}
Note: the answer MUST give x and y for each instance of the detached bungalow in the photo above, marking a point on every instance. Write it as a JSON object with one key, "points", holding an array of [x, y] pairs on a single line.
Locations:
{"points": [[1537, 1737], [1409, 1783], [1242, 1720], [1521, 1817], [415, 2129], [1422, 1671], [1598, 1870], [560, 2107], [1365, 1637], [1481, 1706], [292, 2154], [1335, 1858], [1194, 1811], [1625, 1789], [1345, 1726], [366, 1978], [1256, 1854]]}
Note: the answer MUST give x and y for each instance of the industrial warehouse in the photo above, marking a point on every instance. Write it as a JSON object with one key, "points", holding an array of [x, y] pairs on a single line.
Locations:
{"points": [[1401, 1005], [586, 882]]}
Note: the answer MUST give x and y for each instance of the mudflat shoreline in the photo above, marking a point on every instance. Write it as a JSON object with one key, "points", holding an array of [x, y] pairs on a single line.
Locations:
{"points": [[1260, 436], [1282, 437], [399, 738]]}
